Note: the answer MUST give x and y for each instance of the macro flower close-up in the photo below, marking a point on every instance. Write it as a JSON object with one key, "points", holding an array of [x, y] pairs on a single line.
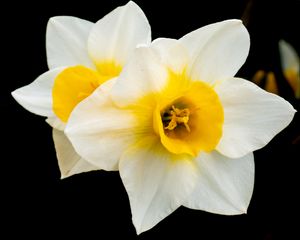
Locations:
{"points": [[81, 56], [142, 120], [178, 125]]}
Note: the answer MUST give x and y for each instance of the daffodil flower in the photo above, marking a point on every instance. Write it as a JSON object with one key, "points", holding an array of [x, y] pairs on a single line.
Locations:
{"points": [[179, 126], [81, 56], [290, 64]]}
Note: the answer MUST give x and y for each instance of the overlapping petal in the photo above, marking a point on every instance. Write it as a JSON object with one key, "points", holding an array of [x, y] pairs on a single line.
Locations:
{"points": [[37, 96], [171, 53], [56, 123], [143, 74], [223, 185], [217, 51], [252, 117], [156, 183], [66, 42], [69, 161], [117, 34], [99, 131]]}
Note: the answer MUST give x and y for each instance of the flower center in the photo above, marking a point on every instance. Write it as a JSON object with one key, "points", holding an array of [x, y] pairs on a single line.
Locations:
{"points": [[76, 83], [176, 117], [188, 116]]}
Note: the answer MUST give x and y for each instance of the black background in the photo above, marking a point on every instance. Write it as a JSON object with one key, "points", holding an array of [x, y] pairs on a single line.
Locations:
{"points": [[36, 203]]}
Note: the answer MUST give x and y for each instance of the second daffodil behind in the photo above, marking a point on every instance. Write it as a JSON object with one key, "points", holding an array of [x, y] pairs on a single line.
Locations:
{"points": [[81, 56], [180, 127]]}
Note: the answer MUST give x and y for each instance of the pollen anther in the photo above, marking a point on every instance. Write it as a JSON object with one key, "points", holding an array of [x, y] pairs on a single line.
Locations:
{"points": [[176, 116]]}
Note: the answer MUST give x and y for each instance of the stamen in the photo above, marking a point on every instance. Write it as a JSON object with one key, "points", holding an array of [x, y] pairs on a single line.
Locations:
{"points": [[177, 116]]}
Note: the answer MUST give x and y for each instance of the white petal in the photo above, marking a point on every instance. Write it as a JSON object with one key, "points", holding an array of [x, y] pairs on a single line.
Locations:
{"points": [[252, 117], [69, 161], [117, 34], [37, 96], [56, 123], [217, 51], [155, 183], [99, 131], [66, 42], [107, 85], [171, 52], [143, 74], [224, 185], [288, 56]]}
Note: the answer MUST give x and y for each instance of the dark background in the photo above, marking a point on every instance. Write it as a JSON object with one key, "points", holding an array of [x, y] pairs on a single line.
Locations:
{"points": [[36, 203]]}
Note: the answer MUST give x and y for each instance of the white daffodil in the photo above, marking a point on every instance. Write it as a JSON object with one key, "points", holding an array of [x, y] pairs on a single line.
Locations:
{"points": [[180, 127], [290, 64], [81, 56]]}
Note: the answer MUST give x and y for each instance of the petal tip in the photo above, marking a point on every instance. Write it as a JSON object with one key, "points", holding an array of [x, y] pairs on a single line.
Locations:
{"points": [[133, 5], [14, 94], [234, 21], [239, 210], [53, 20], [243, 210], [18, 96], [138, 228], [56, 19], [63, 176]]}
